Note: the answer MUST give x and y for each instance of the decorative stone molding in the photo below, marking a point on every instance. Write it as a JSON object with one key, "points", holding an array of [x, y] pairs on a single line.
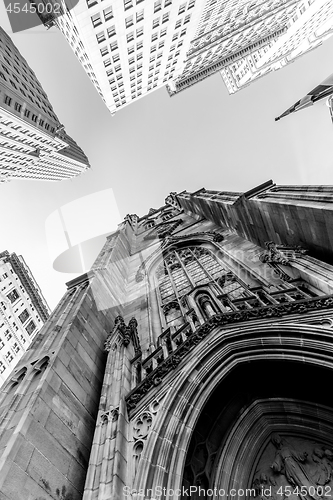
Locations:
{"points": [[142, 425], [156, 376], [131, 218], [126, 334], [133, 327], [173, 240], [280, 254], [172, 200], [109, 416]]}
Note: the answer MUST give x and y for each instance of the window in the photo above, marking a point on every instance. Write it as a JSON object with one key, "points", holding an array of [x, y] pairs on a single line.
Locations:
{"points": [[108, 14], [167, 2], [115, 58], [163, 32], [31, 327], [156, 22], [2, 367], [154, 37], [8, 100], [130, 37], [111, 31], [187, 19], [131, 60], [183, 32], [139, 32], [114, 46], [117, 68], [104, 51], [182, 8], [128, 4], [91, 3], [191, 4], [107, 62], [9, 357], [13, 295], [27, 113], [139, 16], [165, 17], [96, 20], [139, 45], [17, 107], [16, 348], [41, 123], [161, 44], [157, 5], [130, 50], [100, 37], [129, 21], [34, 118], [178, 24]]}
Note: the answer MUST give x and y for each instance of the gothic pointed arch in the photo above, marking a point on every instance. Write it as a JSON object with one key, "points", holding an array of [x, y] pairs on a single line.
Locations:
{"points": [[249, 395]]}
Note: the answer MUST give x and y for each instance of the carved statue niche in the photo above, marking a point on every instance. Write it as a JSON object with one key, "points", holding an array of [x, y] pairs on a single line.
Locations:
{"points": [[294, 468]]}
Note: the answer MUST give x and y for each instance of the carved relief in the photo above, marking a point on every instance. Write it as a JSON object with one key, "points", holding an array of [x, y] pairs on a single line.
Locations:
{"points": [[124, 333], [109, 416], [280, 254], [142, 425], [293, 468], [141, 428]]}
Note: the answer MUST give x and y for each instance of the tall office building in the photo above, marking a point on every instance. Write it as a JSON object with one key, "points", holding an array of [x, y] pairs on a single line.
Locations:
{"points": [[196, 353], [33, 142], [310, 26], [245, 40], [130, 47], [23, 311]]}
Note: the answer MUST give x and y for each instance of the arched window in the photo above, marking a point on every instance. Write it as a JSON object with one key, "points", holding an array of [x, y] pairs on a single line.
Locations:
{"points": [[187, 268]]}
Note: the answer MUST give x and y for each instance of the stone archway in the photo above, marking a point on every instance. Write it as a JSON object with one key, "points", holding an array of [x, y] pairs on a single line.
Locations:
{"points": [[231, 449], [165, 455]]}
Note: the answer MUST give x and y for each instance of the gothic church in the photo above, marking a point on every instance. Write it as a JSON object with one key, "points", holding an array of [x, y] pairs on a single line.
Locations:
{"points": [[192, 361]]}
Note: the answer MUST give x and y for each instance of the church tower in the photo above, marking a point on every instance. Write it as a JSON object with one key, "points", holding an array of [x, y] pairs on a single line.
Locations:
{"points": [[194, 360]]}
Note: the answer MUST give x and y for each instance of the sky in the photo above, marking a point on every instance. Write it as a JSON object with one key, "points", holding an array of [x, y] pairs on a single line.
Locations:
{"points": [[202, 137]]}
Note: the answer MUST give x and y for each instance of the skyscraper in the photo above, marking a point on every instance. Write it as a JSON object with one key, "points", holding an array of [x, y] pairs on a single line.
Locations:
{"points": [[33, 142], [310, 26], [23, 311], [196, 353], [129, 48]]}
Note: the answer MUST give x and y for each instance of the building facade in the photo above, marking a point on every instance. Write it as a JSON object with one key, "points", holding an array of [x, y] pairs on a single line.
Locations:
{"points": [[196, 353], [129, 49], [310, 26], [23, 311], [33, 142]]}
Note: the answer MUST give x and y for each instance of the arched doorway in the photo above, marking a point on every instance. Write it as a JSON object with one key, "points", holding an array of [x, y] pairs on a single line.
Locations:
{"points": [[235, 445]]}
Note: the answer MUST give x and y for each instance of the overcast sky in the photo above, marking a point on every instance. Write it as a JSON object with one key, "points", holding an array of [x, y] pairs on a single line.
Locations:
{"points": [[202, 137]]}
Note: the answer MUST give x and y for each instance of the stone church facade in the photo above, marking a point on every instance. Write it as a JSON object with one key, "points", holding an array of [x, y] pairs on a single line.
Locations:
{"points": [[194, 360]]}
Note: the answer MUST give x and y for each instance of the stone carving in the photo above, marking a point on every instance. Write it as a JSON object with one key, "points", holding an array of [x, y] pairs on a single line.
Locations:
{"points": [[142, 425], [131, 218], [126, 333], [137, 450], [109, 416], [280, 254], [156, 376], [289, 461], [323, 471], [133, 327], [294, 468]]}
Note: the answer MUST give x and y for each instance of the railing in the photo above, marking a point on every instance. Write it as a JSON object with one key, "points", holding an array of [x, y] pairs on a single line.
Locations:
{"points": [[174, 346]]}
